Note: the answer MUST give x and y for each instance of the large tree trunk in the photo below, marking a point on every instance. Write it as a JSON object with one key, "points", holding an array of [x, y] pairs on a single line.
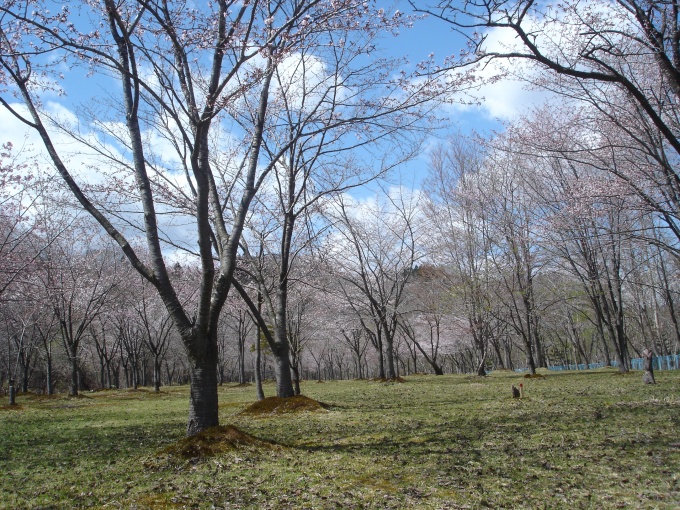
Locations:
{"points": [[282, 371], [203, 403], [530, 356], [389, 354], [381, 356]]}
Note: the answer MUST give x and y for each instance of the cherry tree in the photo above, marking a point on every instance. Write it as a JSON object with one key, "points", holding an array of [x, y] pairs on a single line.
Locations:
{"points": [[376, 250], [240, 323], [382, 127], [184, 73], [80, 282], [461, 234], [156, 327], [107, 344], [429, 311], [19, 191], [610, 68], [594, 49], [18, 324]]}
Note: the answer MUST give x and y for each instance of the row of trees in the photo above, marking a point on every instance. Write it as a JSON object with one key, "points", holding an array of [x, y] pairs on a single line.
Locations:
{"points": [[251, 122], [503, 260]]}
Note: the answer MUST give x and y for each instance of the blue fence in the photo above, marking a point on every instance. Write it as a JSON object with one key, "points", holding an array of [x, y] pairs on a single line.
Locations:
{"points": [[671, 362], [580, 366]]}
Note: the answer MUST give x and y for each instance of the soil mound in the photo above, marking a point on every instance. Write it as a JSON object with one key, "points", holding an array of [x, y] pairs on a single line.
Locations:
{"points": [[15, 407], [278, 405], [534, 376], [211, 442], [388, 380]]}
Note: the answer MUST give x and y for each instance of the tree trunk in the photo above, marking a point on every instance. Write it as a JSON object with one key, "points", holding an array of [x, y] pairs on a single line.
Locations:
{"points": [[203, 403], [73, 391], [538, 345], [481, 370], [648, 357], [258, 370], [296, 379], [381, 357], [48, 369], [241, 360], [25, 375], [258, 357], [389, 354], [284, 381], [156, 373], [621, 345], [530, 358]]}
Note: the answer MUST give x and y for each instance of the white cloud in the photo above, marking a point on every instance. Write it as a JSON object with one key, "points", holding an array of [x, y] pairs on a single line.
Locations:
{"points": [[89, 167]]}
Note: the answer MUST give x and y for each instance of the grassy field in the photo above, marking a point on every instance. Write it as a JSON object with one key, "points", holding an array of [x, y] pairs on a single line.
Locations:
{"points": [[577, 440]]}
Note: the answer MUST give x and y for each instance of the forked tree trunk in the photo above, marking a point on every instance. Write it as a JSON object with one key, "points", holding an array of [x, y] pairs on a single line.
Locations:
{"points": [[295, 367], [203, 403], [481, 370]]}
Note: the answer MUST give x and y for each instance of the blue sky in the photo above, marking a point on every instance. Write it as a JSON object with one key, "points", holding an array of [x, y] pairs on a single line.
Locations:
{"points": [[501, 101]]}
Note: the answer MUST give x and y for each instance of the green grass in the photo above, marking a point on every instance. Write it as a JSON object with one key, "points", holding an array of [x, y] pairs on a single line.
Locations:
{"points": [[577, 440]]}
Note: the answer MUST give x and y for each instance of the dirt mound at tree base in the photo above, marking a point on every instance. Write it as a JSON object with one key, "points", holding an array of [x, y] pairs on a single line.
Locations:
{"points": [[387, 380], [211, 442], [278, 405], [534, 376]]}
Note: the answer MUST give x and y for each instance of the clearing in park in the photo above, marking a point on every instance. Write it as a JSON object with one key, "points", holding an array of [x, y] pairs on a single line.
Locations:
{"points": [[576, 440]]}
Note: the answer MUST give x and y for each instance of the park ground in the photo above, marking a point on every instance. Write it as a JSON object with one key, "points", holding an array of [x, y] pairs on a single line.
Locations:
{"points": [[592, 439]]}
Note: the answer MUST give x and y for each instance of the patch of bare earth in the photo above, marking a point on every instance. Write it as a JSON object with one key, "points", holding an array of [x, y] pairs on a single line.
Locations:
{"points": [[277, 405], [534, 376]]}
